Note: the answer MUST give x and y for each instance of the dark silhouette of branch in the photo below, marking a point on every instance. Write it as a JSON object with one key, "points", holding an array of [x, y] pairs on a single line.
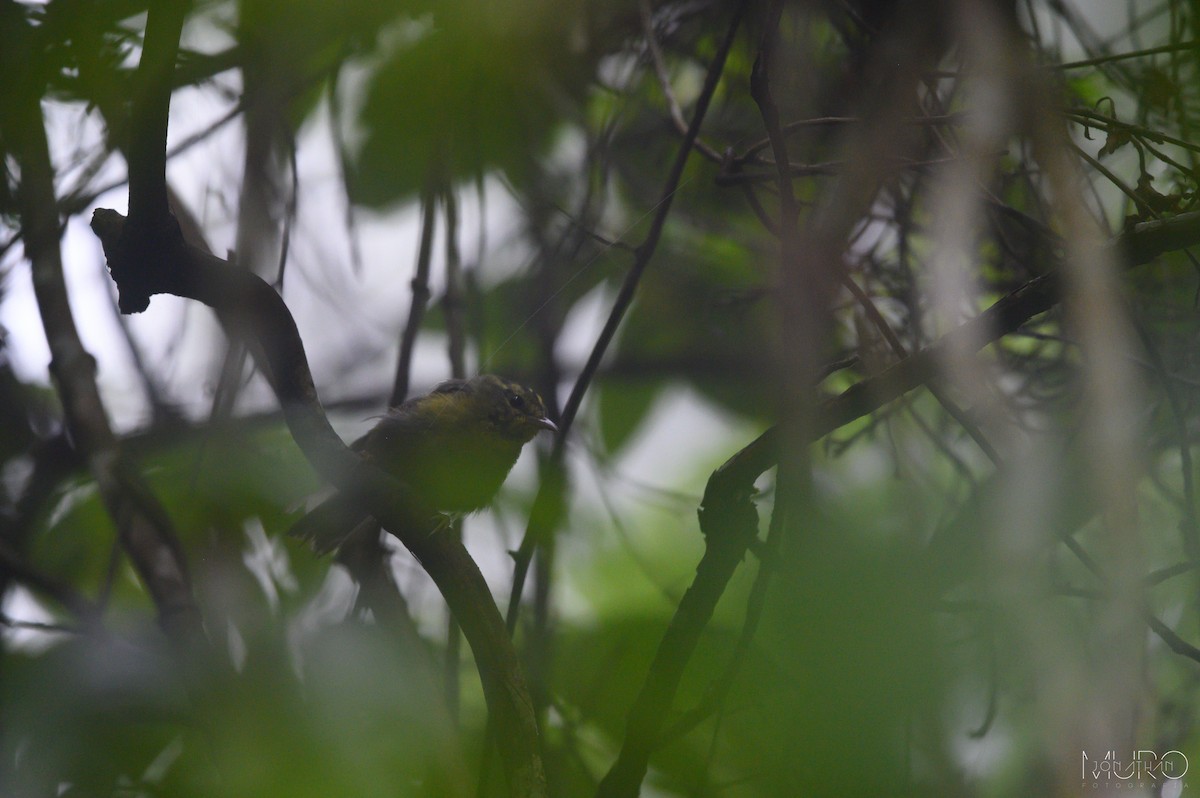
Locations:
{"points": [[144, 528], [147, 255], [151, 109], [14, 566], [729, 523], [456, 344], [728, 517], [452, 300], [420, 299], [249, 308], [714, 699]]}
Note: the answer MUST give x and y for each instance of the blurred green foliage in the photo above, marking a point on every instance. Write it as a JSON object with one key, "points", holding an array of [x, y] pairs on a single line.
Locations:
{"points": [[891, 656], [471, 90]]}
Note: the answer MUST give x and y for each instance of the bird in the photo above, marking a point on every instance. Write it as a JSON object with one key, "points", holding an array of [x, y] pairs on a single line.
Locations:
{"points": [[453, 447]]}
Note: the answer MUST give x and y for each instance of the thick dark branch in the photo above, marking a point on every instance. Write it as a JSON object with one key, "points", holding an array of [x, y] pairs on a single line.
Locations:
{"points": [[145, 530], [151, 107], [729, 526], [250, 309], [148, 256]]}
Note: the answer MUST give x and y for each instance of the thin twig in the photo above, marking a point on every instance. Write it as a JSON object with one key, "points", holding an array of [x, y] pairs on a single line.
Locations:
{"points": [[452, 300], [289, 218], [1090, 117], [65, 594], [452, 308], [420, 299], [644, 253], [664, 82], [1166, 48], [1137, 245], [1164, 632], [345, 171], [898, 348], [825, 121]]}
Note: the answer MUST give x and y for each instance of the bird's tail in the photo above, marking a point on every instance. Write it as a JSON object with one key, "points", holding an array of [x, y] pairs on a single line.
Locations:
{"points": [[329, 524]]}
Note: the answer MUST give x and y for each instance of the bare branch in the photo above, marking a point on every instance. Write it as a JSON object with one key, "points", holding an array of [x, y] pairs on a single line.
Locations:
{"points": [[542, 510], [143, 525]]}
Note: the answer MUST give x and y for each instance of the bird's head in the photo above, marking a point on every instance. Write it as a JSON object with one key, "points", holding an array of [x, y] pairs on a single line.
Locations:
{"points": [[509, 410]]}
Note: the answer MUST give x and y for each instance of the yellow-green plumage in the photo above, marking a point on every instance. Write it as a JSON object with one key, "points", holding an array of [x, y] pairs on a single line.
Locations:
{"points": [[453, 447]]}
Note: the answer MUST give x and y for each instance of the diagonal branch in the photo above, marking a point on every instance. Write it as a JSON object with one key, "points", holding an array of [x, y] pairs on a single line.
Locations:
{"points": [[250, 308], [664, 82], [729, 527], [547, 495], [144, 528], [1138, 245]]}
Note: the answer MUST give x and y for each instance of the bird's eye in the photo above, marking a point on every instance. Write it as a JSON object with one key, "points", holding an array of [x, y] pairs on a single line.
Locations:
{"points": [[517, 401]]}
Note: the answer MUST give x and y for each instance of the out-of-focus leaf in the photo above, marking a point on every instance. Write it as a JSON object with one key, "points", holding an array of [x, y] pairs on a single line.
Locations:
{"points": [[1115, 140], [78, 536], [623, 406], [90, 714], [1159, 89], [99, 715], [286, 47], [848, 668], [481, 88], [208, 485], [703, 315]]}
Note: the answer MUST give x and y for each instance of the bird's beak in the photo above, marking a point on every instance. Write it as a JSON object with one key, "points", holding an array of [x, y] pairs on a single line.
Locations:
{"points": [[546, 423]]}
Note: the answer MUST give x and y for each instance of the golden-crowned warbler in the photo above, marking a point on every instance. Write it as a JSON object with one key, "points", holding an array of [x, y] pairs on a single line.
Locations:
{"points": [[453, 447]]}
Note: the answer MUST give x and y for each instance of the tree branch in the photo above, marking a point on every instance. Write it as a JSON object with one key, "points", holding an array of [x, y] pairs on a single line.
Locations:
{"points": [[249, 308], [147, 255], [544, 510], [151, 107], [1138, 245], [420, 299], [144, 528]]}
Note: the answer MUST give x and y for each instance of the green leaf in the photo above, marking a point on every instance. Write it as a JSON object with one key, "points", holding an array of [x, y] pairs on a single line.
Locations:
{"points": [[482, 88], [623, 407]]}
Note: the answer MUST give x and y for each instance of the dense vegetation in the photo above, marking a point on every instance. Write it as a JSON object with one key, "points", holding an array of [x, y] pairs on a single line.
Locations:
{"points": [[869, 329]]}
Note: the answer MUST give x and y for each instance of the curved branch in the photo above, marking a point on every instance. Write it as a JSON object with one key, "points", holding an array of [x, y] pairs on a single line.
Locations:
{"points": [[249, 308], [147, 255]]}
